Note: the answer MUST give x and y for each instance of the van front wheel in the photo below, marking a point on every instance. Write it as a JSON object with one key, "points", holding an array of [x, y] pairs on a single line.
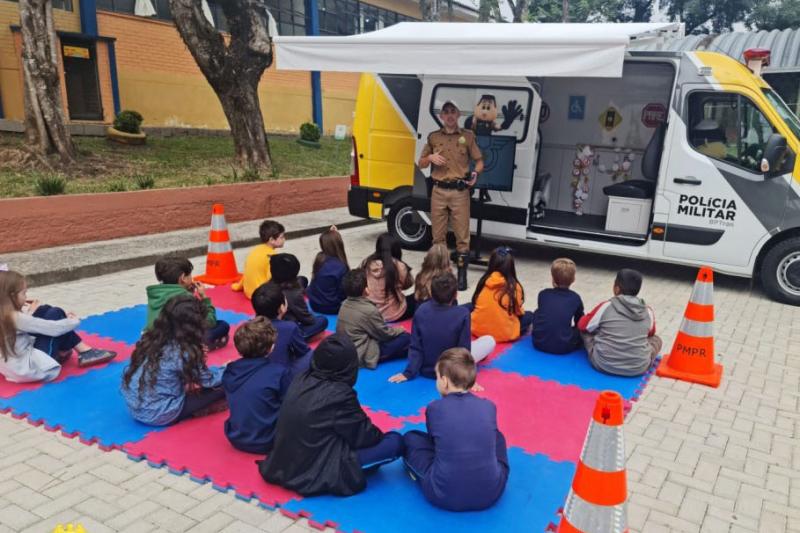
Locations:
{"points": [[408, 227], [780, 272]]}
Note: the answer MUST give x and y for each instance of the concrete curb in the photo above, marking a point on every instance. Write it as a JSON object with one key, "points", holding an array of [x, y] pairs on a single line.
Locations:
{"points": [[60, 275]]}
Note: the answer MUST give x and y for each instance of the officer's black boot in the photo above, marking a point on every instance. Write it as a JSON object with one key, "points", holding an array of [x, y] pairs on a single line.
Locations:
{"points": [[462, 262]]}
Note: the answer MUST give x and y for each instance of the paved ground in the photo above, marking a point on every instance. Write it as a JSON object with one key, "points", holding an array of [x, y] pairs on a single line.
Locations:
{"points": [[699, 459]]}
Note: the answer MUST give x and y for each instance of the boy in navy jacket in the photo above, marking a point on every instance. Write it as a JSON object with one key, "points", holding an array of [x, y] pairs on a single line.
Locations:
{"points": [[437, 326], [290, 349], [255, 387], [556, 319], [461, 463]]}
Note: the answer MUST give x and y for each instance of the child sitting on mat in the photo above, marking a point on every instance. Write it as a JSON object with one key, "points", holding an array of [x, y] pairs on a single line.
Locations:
{"points": [[461, 464], [436, 261], [324, 441], [290, 348], [285, 268], [620, 333], [254, 387], [387, 277], [497, 302], [256, 266], [439, 325], [325, 293], [167, 379], [556, 319], [175, 277], [360, 319], [36, 339]]}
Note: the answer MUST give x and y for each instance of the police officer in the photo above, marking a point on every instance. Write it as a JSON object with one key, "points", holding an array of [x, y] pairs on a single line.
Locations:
{"points": [[450, 150]]}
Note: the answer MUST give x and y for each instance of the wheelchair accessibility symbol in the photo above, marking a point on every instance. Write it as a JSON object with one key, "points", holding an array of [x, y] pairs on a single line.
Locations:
{"points": [[577, 108]]}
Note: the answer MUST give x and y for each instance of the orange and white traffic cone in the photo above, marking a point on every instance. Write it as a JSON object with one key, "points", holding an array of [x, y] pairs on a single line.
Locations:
{"points": [[220, 262], [597, 500], [692, 355]]}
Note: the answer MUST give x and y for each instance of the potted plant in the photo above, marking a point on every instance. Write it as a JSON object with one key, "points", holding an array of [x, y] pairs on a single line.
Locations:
{"points": [[127, 128], [309, 135]]}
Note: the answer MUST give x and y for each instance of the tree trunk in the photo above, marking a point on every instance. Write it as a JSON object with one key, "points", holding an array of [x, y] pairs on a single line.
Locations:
{"points": [[518, 9], [243, 111], [565, 11], [233, 69], [45, 124]]}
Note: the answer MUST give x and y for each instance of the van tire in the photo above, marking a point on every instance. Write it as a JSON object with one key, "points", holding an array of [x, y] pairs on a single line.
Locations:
{"points": [[780, 272], [407, 227]]}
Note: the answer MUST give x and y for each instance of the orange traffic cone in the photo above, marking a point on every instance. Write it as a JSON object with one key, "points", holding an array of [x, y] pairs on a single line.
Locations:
{"points": [[597, 500], [220, 262], [692, 356]]}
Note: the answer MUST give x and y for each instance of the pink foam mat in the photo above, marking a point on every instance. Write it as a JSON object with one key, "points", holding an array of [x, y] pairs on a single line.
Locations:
{"points": [[223, 297], [539, 416], [71, 368], [210, 457]]}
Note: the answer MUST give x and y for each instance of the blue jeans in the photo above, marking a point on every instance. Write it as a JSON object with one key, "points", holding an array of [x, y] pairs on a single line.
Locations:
{"points": [[53, 345], [397, 348], [221, 329], [309, 330], [387, 450]]}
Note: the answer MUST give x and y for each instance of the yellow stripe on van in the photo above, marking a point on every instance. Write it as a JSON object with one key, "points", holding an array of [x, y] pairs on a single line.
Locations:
{"points": [[734, 76], [384, 139]]}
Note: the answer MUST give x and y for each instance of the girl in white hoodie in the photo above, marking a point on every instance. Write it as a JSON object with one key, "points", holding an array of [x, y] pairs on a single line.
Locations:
{"points": [[35, 339]]}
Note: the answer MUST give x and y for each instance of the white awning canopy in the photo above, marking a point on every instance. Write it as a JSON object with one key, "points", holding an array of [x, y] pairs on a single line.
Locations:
{"points": [[471, 49]]}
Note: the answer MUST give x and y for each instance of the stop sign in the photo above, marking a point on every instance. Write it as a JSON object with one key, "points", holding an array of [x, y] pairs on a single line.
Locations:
{"points": [[654, 114]]}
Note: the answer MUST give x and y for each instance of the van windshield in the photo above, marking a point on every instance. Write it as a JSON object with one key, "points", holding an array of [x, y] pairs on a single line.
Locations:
{"points": [[783, 110]]}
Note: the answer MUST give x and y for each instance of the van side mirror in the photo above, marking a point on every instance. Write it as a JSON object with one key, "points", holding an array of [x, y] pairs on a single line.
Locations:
{"points": [[774, 156]]}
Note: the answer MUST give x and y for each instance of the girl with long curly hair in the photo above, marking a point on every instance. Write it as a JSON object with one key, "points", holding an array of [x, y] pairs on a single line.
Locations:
{"points": [[167, 379]]}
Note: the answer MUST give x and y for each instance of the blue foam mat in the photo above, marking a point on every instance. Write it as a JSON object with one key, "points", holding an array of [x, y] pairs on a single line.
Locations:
{"points": [[126, 324], [392, 502], [397, 399], [332, 321], [569, 369], [90, 404]]}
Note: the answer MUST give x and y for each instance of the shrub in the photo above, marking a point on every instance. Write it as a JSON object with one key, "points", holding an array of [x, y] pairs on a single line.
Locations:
{"points": [[50, 185], [128, 122], [310, 132], [145, 182], [117, 186]]}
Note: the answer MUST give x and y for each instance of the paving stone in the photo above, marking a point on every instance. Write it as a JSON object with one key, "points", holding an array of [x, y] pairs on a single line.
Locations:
{"points": [[212, 524], [16, 518]]}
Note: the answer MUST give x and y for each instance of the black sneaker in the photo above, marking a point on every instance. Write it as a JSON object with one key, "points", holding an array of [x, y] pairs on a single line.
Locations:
{"points": [[218, 343], [94, 356]]}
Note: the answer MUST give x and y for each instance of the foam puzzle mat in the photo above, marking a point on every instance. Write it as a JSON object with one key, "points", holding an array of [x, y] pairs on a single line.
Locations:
{"points": [[544, 403]]}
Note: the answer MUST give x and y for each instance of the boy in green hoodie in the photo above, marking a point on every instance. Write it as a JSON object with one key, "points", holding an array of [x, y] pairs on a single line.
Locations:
{"points": [[175, 277]]}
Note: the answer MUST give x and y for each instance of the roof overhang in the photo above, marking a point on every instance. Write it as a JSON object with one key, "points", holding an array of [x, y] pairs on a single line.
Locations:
{"points": [[471, 49]]}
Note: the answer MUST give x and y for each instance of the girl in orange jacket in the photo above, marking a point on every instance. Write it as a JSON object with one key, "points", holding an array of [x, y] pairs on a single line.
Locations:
{"points": [[497, 303]]}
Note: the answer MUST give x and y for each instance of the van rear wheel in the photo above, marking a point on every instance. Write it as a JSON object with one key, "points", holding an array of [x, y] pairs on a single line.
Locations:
{"points": [[408, 227], [780, 272]]}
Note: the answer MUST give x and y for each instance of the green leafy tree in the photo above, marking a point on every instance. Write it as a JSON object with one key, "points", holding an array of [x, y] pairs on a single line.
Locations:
{"points": [[775, 15], [716, 16], [592, 10]]}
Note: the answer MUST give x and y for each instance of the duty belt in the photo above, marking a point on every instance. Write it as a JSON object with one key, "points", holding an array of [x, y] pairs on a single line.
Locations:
{"points": [[450, 184]]}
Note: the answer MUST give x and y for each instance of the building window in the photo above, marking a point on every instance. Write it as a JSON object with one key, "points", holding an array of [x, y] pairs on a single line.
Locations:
{"points": [[289, 15], [120, 6], [66, 5], [348, 17]]}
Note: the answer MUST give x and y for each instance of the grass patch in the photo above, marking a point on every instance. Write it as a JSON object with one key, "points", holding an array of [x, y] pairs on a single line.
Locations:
{"points": [[183, 161]]}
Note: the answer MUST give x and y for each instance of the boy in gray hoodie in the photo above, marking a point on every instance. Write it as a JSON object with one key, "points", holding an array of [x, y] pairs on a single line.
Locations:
{"points": [[620, 333], [361, 320]]}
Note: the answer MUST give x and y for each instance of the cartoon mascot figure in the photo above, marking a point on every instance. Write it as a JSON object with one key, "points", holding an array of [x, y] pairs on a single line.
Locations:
{"points": [[482, 122]]}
